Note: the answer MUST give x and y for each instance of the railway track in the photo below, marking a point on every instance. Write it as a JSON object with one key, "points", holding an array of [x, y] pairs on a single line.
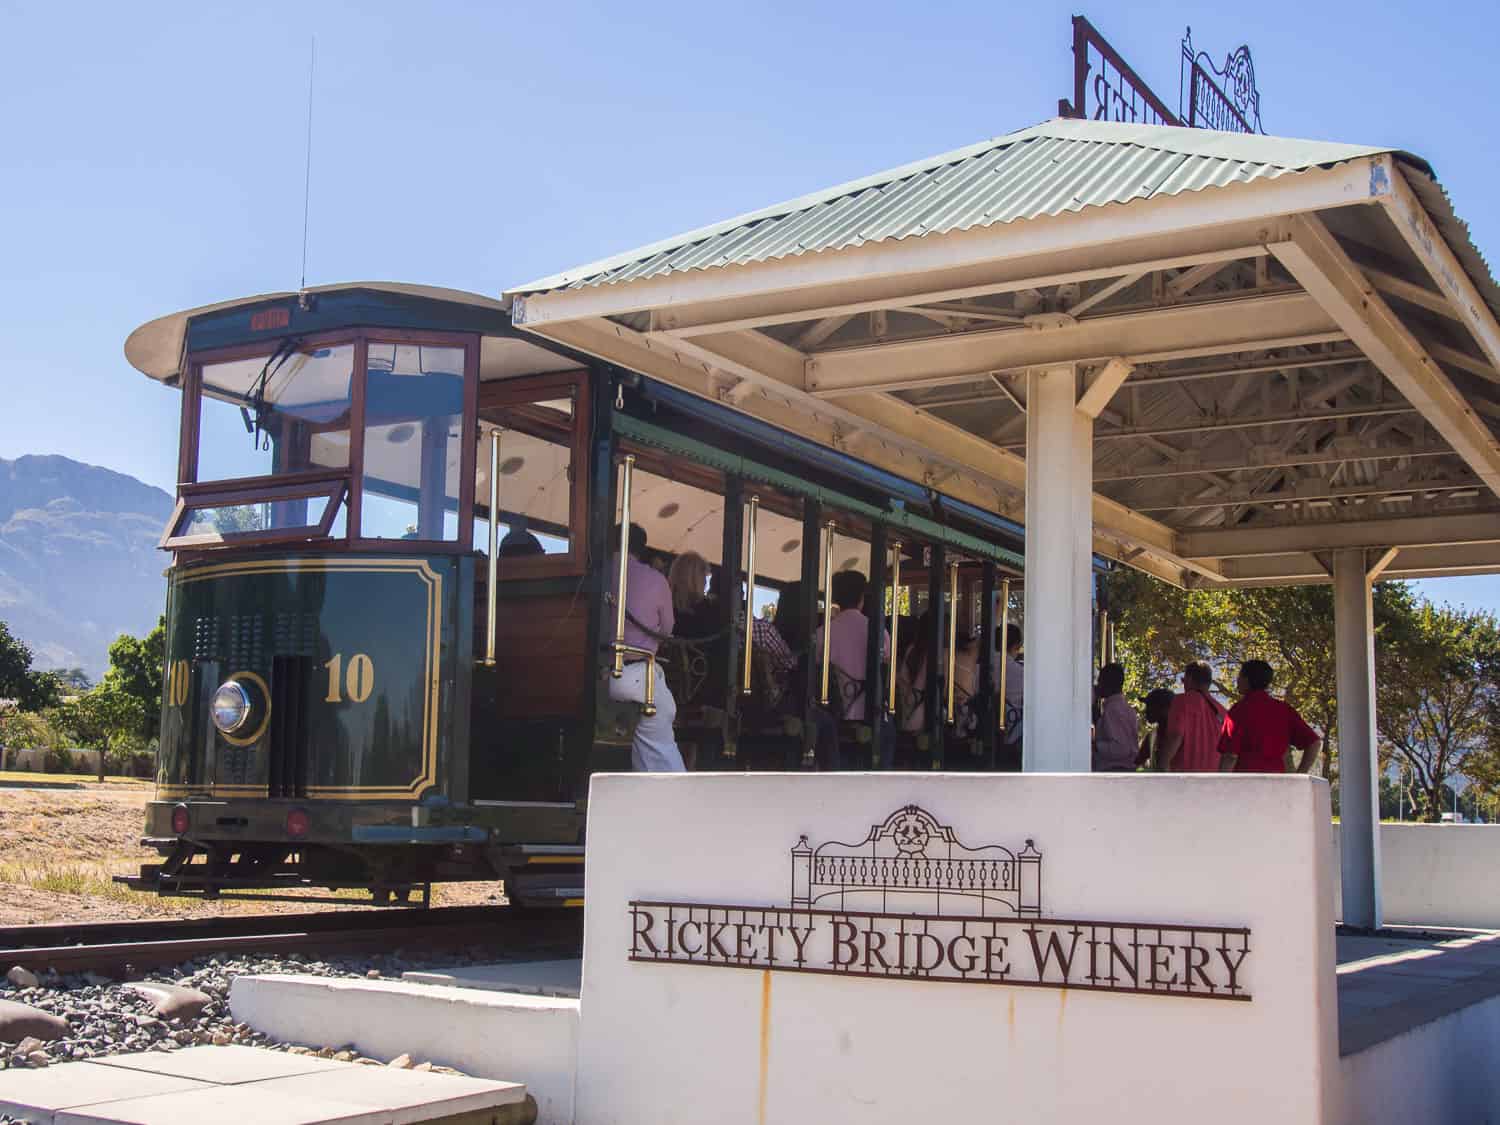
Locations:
{"points": [[121, 948]]}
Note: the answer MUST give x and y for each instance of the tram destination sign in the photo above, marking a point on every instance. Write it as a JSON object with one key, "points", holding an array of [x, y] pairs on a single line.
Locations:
{"points": [[911, 902]]}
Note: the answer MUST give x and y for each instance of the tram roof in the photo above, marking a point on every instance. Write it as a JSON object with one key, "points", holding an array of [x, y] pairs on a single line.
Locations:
{"points": [[156, 348], [1289, 346]]}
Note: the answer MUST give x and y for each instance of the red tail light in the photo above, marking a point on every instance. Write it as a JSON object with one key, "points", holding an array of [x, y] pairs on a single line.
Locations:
{"points": [[180, 819], [297, 823]]}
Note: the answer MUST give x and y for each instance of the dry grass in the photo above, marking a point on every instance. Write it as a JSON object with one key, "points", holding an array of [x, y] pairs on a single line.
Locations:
{"points": [[67, 879], [63, 838], [30, 779]]}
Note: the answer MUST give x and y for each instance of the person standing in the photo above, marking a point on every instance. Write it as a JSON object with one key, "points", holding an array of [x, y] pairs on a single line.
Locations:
{"points": [[1261, 728], [1156, 705], [648, 617], [848, 638], [1117, 733], [1194, 722]]}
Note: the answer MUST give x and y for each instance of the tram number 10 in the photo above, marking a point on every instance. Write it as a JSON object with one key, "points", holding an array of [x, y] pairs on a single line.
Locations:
{"points": [[356, 680]]}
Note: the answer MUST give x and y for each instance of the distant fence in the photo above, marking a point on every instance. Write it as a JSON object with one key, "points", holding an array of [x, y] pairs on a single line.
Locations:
{"points": [[34, 759]]}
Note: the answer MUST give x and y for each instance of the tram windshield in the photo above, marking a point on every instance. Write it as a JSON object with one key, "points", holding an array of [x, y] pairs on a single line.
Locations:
{"points": [[414, 408], [276, 414]]}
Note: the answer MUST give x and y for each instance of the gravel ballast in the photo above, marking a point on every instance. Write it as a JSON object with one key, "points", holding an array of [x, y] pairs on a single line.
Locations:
{"points": [[105, 1017]]}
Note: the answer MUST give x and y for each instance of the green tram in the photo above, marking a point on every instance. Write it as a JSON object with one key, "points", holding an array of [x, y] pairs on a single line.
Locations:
{"points": [[360, 692]]}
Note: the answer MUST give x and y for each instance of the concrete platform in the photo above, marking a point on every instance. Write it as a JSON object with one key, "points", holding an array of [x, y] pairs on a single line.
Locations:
{"points": [[1418, 1013], [501, 1035], [246, 1085], [532, 978], [1390, 985]]}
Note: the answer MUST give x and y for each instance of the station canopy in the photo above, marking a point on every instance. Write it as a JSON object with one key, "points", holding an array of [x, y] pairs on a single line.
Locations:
{"points": [[1287, 347]]}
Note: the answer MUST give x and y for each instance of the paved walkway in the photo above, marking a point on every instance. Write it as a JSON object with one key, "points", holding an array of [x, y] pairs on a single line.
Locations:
{"points": [[1405, 977], [246, 1085]]}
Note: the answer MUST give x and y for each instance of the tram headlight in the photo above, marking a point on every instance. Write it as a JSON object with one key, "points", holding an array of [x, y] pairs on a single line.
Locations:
{"points": [[230, 707]]}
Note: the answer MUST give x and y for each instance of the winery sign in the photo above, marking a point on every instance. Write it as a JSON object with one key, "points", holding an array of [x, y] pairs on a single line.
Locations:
{"points": [[910, 902]]}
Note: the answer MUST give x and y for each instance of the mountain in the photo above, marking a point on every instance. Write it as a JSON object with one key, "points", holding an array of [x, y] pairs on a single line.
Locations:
{"points": [[78, 558]]}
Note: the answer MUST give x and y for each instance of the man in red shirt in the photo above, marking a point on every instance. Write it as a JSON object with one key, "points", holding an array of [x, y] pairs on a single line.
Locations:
{"points": [[1260, 728], [1195, 722]]}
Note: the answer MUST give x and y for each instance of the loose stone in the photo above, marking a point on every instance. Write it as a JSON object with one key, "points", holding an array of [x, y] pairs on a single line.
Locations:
{"points": [[21, 1021]]}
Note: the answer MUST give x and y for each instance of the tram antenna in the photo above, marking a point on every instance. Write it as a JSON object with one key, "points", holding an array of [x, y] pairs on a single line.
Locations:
{"points": [[312, 62]]}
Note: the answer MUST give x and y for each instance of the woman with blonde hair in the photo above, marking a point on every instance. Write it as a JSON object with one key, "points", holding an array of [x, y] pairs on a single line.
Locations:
{"points": [[688, 579]]}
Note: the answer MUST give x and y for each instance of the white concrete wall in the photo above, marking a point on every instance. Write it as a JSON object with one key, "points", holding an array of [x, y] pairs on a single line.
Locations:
{"points": [[691, 1043], [1441, 1071], [504, 1036], [1436, 875]]}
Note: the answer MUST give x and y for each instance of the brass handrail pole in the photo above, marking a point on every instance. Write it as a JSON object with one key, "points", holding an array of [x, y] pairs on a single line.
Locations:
{"points": [[749, 593], [493, 591], [827, 604], [625, 482], [952, 633], [648, 707], [890, 705], [1004, 644]]}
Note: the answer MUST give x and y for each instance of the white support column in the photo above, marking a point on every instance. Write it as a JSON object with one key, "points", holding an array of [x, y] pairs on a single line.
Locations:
{"points": [[1359, 789], [1059, 593]]}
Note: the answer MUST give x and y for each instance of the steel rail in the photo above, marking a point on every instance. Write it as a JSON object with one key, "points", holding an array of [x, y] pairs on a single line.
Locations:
{"points": [[108, 947]]}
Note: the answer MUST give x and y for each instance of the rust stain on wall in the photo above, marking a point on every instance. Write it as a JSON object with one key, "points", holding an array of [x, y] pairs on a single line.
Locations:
{"points": [[765, 1041]]}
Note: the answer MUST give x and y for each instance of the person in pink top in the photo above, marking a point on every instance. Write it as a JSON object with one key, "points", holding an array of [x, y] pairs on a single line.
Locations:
{"points": [[1194, 722], [848, 641], [648, 618], [1117, 731], [848, 638]]}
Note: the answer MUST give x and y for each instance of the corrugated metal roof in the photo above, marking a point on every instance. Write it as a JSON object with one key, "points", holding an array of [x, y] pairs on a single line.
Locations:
{"points": [[1056, 167]]}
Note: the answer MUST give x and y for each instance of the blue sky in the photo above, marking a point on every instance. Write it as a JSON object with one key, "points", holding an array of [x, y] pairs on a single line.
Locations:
{"points": [[153, 154]]}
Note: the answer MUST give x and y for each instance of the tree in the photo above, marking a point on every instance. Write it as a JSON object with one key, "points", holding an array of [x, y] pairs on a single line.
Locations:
{"points": [[1439, 700], [24, 730], [1160, 628], [74, 679], [241, 517], [103, 719], [32, 690], [135, 671]]}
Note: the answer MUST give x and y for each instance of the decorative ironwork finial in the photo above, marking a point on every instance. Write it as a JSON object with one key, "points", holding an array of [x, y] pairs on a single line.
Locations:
{"points": [[1218, 97]]}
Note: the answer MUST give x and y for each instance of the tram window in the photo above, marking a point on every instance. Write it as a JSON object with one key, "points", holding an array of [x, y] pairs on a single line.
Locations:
{"points": [[270, 416], [536, 492], [540, 501], [412, 452], [210, 520], [210, 514]]}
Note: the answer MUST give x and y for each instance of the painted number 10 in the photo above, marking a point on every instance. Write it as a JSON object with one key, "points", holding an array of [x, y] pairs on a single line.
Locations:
{"points": [[357, 680], [179, 682]]}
